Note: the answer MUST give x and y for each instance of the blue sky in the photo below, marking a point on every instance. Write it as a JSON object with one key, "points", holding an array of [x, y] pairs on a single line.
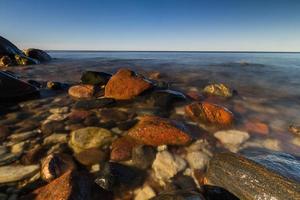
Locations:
{"points": [[254, 25]]}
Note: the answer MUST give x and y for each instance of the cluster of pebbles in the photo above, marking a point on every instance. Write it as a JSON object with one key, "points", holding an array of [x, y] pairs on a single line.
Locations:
{"points": [[124, 136]]}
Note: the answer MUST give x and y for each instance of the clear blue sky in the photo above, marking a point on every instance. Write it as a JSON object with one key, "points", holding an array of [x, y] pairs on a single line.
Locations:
{"points": [[152, 24]]}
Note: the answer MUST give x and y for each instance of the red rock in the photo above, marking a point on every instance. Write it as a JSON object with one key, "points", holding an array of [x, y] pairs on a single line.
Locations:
{"points": [[55, 165], [71, 185], [125, 84], [82, 91], [155, 131], [209, 113], [257, 127], [121, 148]]}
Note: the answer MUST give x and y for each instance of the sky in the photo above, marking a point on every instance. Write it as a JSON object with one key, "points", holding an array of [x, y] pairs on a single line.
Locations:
{"points": [[158, 25]]}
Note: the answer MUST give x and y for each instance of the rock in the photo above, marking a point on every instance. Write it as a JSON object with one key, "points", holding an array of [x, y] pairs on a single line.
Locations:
{"points": [[91, 156], [232, 139], [82, 91], [5, 61], [216, 193], [155, 75], [18, 137], [126, 125], [165, 98], [145, 192], [94, 103], [17, 172], [218, 90], [59, 110], [126, 84], [34, 155], [116, 175], [89, 137], [18, 148], [179, 195], [4, 132], [8, 48], [13, 89], [71, 185], [257, 127], [197, 159], [53, 127], [54, 165], [7, 158], [269, 143], [294, 129], [95, 78], [55, 138], [209, 113], [23, 60], [166, 165], [183, 182], [155, 131], [121, 148], [37, 54], [115, 115], [78, 115], [272, 175], [52, 85], [143, 156]]}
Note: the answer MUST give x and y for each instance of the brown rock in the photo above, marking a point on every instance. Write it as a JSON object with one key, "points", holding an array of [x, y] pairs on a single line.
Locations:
{"points": [[209, 113], [82, 91], [33, 155], [55, 165], [257, 127], [4, 132], [79, 115], [90, 156], [122, 148], [126, 84], [155, 131], [71, 185], [194, 95]]}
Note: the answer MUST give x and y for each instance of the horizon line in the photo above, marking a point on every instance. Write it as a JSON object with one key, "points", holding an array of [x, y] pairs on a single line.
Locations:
{"points": [[174, 51]]}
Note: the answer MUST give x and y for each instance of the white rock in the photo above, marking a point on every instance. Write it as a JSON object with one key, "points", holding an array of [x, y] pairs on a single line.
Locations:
{"points": [[200, 145], [197, 159], [166, 165], [17, 172], [162, 148], [232, 139], [144, 193]]}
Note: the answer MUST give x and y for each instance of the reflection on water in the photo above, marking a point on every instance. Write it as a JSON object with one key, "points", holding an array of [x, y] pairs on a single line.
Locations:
{"points": [[268, 83]]}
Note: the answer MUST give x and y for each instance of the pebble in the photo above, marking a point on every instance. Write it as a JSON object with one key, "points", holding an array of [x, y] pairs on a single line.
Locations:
{"points": [[56, 138], [18, 137], [145, 192], [197, 159], [232, 139], [17, 172], [59, 110]]}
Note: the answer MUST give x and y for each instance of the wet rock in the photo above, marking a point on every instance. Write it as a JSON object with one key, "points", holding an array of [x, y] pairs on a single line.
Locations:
{"points": [[4, 132], [116, 175], [5, 61], [294, 129], [53, 127], [18, 137], [52, 85], [91, 156], [23, 60], [59, 110], [8, 48], [115, 115], [71, 185], [155, 131], [95, 78], [257, 127], [197, 159], [54, 165], [126, 125], [269, 143], [89, 137], [17, 172], [143, 156], [78, 115], [232, 139], [34, 155], [19, 148], [166, 165], [145, 192], [218, 90], [121, 148], [217, 193], [209, 113], [14, 89], [91, 120], [7, 158], [37, 54], [82, 91], [56, 138], [179, 195], [126, 84], [183, 182], [94, 103], [165, 98], [272, 175]]}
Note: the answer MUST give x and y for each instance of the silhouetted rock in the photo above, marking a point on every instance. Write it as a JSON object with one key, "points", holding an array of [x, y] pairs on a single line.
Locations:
{"points": [[37, 54]]}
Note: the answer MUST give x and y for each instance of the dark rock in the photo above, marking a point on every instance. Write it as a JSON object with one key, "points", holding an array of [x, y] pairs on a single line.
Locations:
{"points": [[52, 127], [13, 89], [165, 98], [34, 155], [37, 54], [91, 120], [94, 103], [126, 125], [5, 61], [115, 115], [8, 49], [143, 156], [56, 85], [4, 132], [91, 156], [216, 193], [95, 78], [35, 83], [116, 175], [23, 60], [179, 195], [183, 182], [271, 176]]}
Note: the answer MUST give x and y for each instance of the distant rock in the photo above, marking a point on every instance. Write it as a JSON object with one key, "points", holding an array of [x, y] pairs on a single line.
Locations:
{"points": [[37, 54], [156, 131], [126, 84]]}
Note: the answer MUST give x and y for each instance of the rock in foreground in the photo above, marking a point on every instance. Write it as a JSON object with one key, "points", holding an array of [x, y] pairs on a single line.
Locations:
{"points": [[126, 84], [249, 180]]}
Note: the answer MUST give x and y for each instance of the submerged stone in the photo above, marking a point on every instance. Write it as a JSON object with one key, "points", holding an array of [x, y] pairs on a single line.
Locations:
{"points": [[218, 90], [17, 172], [95, 78]]}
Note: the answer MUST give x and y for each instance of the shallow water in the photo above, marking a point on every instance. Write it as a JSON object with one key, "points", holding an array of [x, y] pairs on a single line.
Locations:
{"points": [[268, 84]]}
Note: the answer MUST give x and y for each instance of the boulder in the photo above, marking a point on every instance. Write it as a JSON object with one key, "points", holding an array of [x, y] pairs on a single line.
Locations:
{"points": [[209, 113], [95, 78], [126, 84], [8, 49], [37, 54], [156, 131]]}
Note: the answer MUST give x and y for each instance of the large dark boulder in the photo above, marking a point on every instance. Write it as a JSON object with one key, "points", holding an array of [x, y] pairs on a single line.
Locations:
{"points": [[37, 54], [13, 89], [8, 49]]}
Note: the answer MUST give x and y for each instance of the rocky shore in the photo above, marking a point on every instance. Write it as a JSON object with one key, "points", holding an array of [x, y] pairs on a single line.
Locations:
{"points": [[125, 135]]}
